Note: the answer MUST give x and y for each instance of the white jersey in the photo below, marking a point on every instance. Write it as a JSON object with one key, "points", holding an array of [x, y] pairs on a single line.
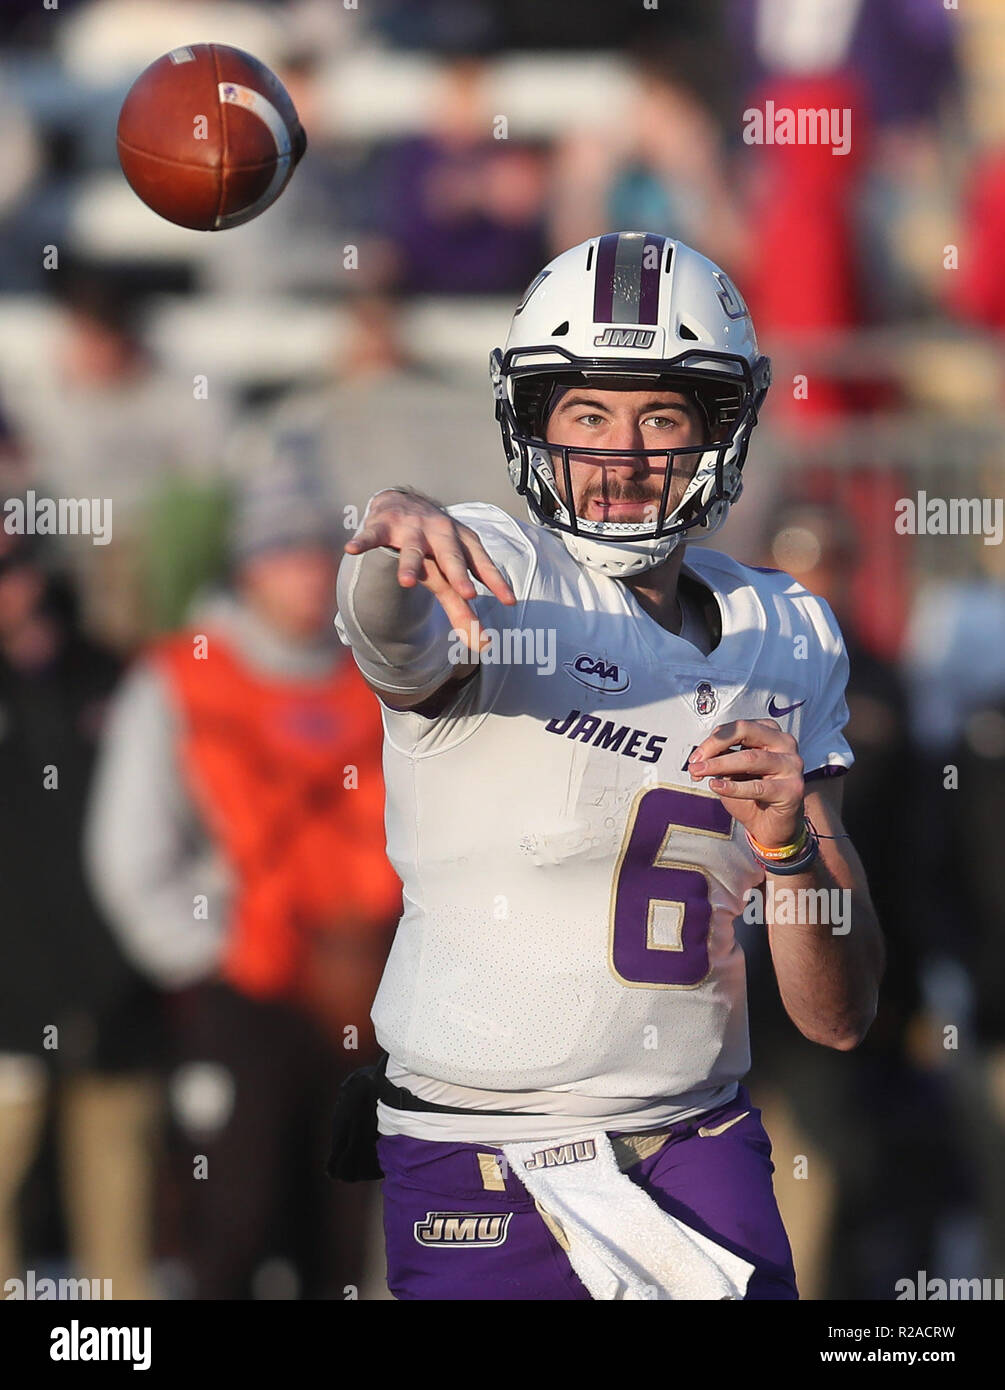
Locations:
{"points": [[569, 892]]}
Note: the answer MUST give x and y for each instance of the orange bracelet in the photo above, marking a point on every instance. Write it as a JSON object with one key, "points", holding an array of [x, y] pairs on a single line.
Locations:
{"points": [[781, 852]]}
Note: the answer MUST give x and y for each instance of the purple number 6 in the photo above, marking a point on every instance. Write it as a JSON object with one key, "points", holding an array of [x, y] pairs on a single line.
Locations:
{"points": [[660, 909]]}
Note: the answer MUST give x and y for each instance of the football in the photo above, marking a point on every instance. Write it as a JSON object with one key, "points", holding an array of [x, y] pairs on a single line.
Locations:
{"points": [[208, 137]]}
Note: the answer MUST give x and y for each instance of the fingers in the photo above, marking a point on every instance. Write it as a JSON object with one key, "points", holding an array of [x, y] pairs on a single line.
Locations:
{"points": [[769, 777], [747, 763], [420, 531], [766, 768], [453, 563], [459, 553], [412, 555], [482, 565], [757, 770], [368, 537], [462, 616], [750, 733], [754, 790], [443, 551]]}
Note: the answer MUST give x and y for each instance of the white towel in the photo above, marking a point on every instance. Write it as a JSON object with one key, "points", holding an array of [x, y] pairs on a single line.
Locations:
{"points": [[621, 1244]]}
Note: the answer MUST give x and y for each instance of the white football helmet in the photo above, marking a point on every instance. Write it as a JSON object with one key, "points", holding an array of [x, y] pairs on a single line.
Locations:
{"points": [[635, 306]]}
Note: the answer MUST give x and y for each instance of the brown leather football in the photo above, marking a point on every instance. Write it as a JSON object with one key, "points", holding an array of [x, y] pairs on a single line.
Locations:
{"points": [[208, 137]]}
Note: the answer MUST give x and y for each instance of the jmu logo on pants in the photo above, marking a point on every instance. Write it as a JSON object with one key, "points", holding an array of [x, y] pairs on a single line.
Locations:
{"points": [[579, 1152], [462, 1228]]}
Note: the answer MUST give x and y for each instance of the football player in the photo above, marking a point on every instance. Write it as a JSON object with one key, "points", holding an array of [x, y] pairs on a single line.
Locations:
{"points": [[599, 745]]}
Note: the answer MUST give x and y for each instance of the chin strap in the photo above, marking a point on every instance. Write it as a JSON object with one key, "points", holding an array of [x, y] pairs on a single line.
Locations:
{"points": [[616, 560]]}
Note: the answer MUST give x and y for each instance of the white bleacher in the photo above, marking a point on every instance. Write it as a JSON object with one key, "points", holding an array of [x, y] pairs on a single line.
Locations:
{"points": [[28, 335], [109, 222], [240, 339], [379, 96], [276, 339]]}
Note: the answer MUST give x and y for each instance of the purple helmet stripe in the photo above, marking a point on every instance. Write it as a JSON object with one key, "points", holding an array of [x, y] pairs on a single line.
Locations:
{"points": [[627, 279], [603, 292], [649, 290], [627, 283]]}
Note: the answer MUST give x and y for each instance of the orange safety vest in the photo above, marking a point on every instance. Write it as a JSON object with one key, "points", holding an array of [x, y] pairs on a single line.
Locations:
{"points": [[286, 775]]}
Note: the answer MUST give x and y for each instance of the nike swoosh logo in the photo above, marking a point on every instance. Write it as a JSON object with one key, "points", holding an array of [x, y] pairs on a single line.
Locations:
{"points": [[721, 1129], [776, 711]]}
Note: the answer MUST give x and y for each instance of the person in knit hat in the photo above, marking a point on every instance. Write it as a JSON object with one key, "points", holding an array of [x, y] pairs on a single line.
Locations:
{"points": [[236, 840]]}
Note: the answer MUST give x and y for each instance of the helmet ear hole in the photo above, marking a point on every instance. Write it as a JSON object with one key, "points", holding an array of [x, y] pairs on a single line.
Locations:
{"points": [[561, 330]]}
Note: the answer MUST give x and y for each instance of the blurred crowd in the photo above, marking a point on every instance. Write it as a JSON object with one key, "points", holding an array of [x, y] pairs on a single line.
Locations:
{"points": [[197, 903]]}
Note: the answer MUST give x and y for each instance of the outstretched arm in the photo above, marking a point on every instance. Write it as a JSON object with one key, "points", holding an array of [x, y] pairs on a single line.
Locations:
{"points": [[403, 588]]}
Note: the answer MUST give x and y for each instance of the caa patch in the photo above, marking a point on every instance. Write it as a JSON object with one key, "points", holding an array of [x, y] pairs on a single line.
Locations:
{"points": [[462, 1228], [597, 674]]}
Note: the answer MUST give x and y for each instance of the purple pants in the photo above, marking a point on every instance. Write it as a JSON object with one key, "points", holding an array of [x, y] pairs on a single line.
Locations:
{"points": [[452, 1234]]}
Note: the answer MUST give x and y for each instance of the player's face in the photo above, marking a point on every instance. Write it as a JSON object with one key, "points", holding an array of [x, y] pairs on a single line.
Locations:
{"points": [[626, 489], [293, 590]]}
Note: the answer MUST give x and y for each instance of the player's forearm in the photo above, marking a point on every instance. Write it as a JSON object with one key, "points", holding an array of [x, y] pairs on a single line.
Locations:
{"points": [[827, 949], [400, 637]]}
